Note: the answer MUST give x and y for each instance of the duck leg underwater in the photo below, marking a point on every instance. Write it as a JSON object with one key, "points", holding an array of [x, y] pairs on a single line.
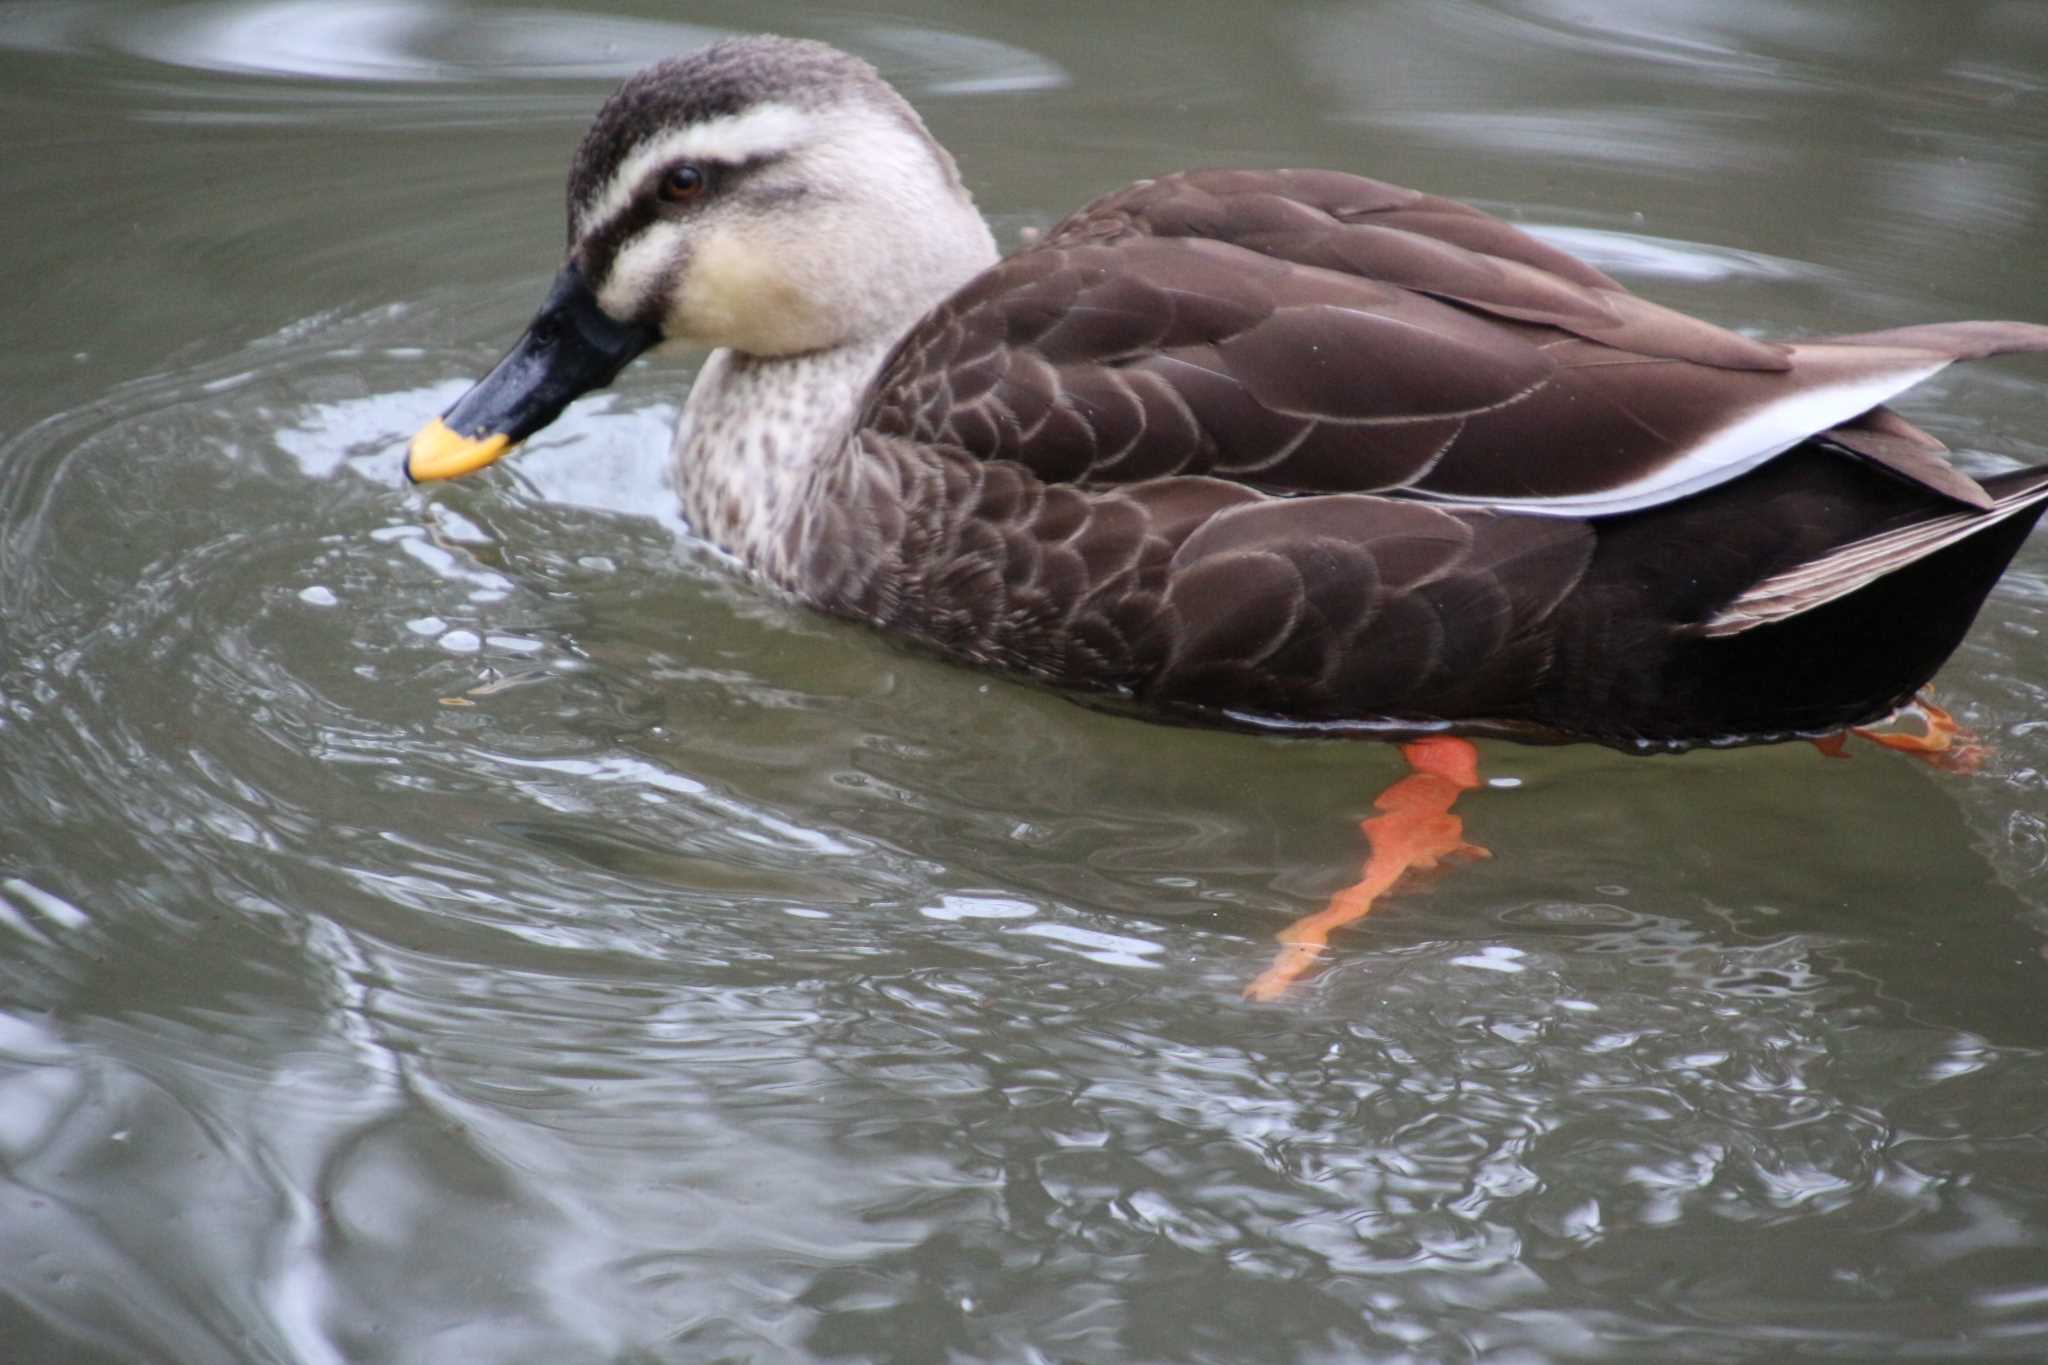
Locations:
{"points": [[1414, 831]]}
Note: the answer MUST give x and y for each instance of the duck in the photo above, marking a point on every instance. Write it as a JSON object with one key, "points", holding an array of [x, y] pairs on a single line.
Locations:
{"points": [[1287, 450]]}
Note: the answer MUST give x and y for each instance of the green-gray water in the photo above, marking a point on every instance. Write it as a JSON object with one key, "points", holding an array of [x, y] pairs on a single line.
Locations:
{"points": [[471, 925]]}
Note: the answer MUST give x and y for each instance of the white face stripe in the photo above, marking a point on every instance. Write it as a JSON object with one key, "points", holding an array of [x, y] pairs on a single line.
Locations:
{"points": [[759, 131], [637, 270]]}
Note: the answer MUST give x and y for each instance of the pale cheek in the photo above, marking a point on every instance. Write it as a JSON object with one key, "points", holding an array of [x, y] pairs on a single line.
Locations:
{"points": [[740, 293]]}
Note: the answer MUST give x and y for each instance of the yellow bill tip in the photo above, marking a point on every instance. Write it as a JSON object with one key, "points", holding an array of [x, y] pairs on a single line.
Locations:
{"points": [[440, 452]]}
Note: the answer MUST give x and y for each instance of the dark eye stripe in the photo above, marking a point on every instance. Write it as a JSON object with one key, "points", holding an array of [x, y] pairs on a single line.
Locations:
{"points": [[602, 243], [719, 176]]}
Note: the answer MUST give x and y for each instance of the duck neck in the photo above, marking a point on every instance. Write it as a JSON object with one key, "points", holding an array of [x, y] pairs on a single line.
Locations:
{"points": [[754, 434], [760, 434]]}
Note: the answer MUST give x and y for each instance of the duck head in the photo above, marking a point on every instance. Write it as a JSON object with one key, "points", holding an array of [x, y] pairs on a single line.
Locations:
{"points": [[769, 195]]}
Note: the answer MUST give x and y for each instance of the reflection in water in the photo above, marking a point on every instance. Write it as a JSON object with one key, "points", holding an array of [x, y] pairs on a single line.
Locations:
{"points": [[472, 925], [1639, 257], [403, 40], [1626, 93], [430, 41]]}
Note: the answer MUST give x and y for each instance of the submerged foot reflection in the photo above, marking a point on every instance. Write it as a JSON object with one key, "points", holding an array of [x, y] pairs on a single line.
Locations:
{"points": [[1414, 831]]}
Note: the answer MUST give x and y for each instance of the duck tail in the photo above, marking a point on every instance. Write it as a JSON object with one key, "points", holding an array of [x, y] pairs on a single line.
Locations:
{"points": [[1860, 563], [1955, 340], [1884, 438]]}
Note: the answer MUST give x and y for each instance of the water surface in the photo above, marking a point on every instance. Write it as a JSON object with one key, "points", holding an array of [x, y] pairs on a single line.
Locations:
{"points": [[472, 924]]}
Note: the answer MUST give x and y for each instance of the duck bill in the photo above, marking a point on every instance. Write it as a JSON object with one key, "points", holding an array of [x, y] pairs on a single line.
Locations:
{"points": [[571, 347]]}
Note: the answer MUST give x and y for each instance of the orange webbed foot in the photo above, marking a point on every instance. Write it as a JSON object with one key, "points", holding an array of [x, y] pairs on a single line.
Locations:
{"points": [[1414, 831], [1944, 742]]}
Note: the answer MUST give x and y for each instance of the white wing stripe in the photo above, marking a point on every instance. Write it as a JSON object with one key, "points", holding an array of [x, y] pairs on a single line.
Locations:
{"points": [[1734, 449]]}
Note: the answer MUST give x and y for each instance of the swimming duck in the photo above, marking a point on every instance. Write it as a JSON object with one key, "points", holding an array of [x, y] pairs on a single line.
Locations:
{"points": [[1286, 448], [1250, 446]]}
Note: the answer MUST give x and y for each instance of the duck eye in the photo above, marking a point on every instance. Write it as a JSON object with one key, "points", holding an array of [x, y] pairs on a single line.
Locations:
{"points": [[684, 183]]}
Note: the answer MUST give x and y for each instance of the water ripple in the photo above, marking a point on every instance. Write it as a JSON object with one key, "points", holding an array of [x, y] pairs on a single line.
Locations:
{"points": [[471, 924], [417, 60]]}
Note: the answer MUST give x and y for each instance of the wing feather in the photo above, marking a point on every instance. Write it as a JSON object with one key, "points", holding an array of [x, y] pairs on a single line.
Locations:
{"points": [[1312, 332]]}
